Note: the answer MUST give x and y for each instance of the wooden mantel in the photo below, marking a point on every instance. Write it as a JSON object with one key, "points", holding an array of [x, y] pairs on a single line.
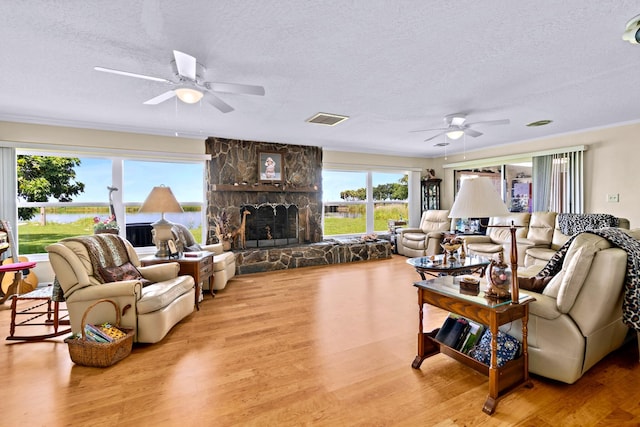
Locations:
{"points": [[263, 188]]}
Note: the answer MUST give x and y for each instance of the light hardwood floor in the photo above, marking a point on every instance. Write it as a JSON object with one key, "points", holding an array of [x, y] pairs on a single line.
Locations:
{"points": [[326, 346]]}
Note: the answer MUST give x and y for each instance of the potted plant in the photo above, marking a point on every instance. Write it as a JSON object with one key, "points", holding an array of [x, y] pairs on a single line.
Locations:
{"points": [[109, 225]]}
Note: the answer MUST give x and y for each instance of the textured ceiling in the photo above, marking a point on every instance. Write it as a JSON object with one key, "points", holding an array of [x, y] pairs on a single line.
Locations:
{"points": [[392, 66]]}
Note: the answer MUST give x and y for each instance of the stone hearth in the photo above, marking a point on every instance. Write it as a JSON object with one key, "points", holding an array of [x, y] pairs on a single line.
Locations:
{"points": [[322, 253]]}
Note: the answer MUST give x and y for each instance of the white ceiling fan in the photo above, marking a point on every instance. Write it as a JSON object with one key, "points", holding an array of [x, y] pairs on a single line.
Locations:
{"points": [[456, 125], [188, 85]]}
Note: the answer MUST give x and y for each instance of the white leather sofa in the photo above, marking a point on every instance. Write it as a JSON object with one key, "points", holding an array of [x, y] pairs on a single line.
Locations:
{"points": [[151, 310], [425, 240], [537, 238], [541, 254], [224, 263], [577, 319]]}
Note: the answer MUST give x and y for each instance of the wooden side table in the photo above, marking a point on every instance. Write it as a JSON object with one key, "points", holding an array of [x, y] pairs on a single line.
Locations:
{"points": [[483, 310], [200, 267]]}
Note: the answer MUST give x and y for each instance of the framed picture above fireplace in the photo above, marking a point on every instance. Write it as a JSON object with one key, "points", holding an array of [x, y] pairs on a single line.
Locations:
{"points": [[270, 167]]}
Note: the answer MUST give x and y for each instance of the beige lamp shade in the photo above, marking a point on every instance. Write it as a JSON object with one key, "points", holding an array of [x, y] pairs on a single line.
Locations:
{"points": [[161, 199], [477, 198]]}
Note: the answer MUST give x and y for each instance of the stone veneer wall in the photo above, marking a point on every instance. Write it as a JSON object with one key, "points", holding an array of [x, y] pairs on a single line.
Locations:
{"points": [[232, 181], [322, 253]]}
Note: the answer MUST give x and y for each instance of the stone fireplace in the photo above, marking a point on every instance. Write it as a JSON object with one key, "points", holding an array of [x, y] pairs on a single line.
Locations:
{"points": [[282, 218], [283, 212]]}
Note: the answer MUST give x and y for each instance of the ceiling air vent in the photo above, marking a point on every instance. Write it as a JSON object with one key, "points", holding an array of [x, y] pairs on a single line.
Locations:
{"points": [[441, 144], [327, 119], [539, 123]]}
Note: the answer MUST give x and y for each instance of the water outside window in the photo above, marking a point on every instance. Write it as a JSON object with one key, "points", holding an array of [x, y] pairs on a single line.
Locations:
{"points": [[47, 222], [345, 201]]}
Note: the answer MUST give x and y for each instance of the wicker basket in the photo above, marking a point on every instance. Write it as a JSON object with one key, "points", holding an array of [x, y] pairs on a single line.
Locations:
{"points": [[88, 353]]}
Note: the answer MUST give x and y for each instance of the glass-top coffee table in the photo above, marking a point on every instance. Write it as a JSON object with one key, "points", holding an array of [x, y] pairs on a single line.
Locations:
{"points": [[439, 265]]}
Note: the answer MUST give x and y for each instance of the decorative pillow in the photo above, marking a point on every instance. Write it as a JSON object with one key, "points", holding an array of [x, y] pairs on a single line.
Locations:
{"points": [[535, 283], [126, 271], [508, 348]]}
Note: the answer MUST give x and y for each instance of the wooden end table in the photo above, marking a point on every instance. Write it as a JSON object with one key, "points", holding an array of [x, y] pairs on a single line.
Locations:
{"points": [[491, 312], [200, 267]]}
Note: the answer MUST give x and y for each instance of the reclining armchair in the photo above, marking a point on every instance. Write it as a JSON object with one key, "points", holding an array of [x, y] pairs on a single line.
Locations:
{"points": [[224, 263], [577, 319], [498, 239], [151, 299], [425, 240]]}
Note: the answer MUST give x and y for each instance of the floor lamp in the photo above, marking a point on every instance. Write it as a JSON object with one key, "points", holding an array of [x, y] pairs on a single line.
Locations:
{"points": [[478, 198], [161, 199]]}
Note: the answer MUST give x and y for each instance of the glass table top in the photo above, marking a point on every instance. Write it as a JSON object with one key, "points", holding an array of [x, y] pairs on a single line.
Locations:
{"points": [[450, 286], [437, 262]]}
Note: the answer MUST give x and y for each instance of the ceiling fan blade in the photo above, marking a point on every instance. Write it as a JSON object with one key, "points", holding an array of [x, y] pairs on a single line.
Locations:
{"points": [[129, 74], [491, 122], [186, 64], [235, 88], [218, 103], [434, 136], [425, 130], [160, 98], [473, 133]]}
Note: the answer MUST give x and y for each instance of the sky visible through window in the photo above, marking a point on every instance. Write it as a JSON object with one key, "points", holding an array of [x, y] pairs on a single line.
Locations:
{"points": [[185, 180], [142, 176], [333, 182]]}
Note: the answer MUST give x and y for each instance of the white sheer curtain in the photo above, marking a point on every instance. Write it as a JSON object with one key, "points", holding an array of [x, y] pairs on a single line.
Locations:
{"points": [[8, 187], [558, 182]]}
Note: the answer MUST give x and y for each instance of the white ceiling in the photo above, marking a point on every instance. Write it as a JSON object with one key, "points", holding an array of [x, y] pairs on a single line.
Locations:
{"points": [[393, 66]]}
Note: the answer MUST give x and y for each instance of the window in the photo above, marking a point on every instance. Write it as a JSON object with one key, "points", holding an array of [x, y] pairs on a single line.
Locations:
{"points": [[134, 179], [185, 180], [345, 202], [358, 202]]}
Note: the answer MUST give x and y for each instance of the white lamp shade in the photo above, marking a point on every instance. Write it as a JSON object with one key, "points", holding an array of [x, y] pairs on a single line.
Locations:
{"points": [[161, 199], [477, 198]]}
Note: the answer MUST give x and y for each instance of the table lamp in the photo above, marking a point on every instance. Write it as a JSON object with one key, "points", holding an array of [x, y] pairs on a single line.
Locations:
{"points": [[478, 198], [161, 199]]}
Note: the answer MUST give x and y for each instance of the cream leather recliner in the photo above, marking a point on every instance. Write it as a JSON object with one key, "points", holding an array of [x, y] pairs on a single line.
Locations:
{"points": [[498, 239], [542, 254], [425, 240], [151, 310], [224, 263], [577, 319]]}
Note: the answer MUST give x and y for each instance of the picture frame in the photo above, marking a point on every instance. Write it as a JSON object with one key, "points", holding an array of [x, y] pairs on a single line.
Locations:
{"points": [[173, 250], [270, 167]]}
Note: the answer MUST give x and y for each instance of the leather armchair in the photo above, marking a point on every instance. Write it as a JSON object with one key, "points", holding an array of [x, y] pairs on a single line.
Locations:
{"points": [[498, 239], [151, 310], [425, 240], [224, 263], [577, 319]]}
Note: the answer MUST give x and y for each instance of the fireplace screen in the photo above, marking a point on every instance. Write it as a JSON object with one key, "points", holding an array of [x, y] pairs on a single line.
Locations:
{"points": [[271, 225]]}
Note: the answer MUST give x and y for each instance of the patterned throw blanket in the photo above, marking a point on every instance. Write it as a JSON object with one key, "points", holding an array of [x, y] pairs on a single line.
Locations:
{"points": [[570, 223], [105, 250], [617, 237]]}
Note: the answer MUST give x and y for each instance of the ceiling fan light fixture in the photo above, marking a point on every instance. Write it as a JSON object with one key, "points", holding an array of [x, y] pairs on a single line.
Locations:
{"points": [[455, 134], [189, 95]]}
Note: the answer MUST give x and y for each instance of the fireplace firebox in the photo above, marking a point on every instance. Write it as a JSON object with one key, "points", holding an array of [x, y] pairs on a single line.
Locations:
{"points": [[271, 225]]}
